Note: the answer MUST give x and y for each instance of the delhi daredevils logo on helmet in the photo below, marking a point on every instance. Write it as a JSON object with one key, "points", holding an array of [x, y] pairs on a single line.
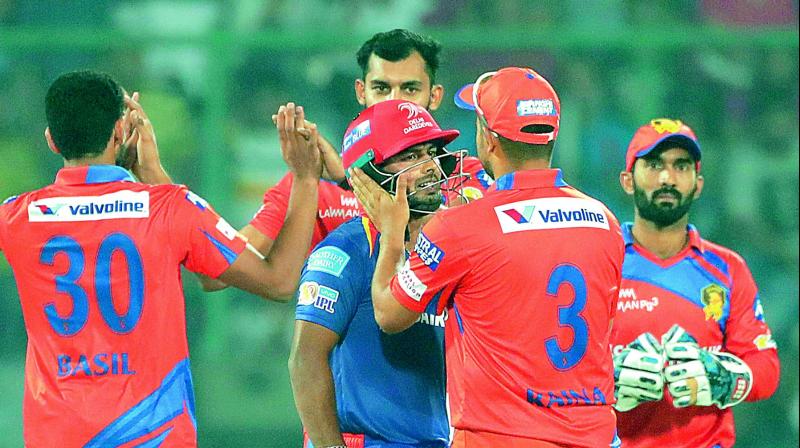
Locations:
{"points": [[410, 108]]}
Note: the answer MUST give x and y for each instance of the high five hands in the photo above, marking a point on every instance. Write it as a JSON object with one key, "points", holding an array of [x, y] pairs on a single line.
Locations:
{"points": [[299, 142]]}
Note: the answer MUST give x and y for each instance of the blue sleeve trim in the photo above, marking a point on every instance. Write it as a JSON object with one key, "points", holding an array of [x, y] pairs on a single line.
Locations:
{"points": [[172, 398], [230, 255], [156, 441], [458, 319], [716, 261], [9, 200]]}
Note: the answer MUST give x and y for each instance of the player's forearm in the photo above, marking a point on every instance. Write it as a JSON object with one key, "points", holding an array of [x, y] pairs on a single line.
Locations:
{"points": [[153, 175], [312, 384], [288, 252], [383, 302], [766, 369]]}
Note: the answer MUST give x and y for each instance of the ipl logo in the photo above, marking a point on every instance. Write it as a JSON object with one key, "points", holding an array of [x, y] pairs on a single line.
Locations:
{"points": [[410, 108]]}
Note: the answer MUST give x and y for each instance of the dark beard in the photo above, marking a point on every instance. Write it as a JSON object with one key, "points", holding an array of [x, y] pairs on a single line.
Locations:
{"points": [[665, 214], [425, 203]]}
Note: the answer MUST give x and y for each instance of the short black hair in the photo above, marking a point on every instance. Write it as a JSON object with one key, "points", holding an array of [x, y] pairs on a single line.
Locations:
{"points": [[82, 108], [397, 45]]}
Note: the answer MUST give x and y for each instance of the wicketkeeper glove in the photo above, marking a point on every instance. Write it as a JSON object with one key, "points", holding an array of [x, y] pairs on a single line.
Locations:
{"points": [[697, 377], [637, 373]]}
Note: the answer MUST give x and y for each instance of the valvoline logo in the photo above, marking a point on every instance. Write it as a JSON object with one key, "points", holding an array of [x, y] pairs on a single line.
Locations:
{"points": [[429, 253], [46, 210], [551, 213], [117, 205], [521, 218]]}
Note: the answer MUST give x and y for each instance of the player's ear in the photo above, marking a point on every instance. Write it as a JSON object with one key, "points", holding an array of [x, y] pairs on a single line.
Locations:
{"points": [[437, 93], [119, 130], [700, 182], [626, 181], [50, 143], [360, 91]]}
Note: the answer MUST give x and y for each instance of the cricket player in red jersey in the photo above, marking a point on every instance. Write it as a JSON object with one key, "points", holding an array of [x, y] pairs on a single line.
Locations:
{"points": [[531, 272], [685, 301], [397, 64], [97, 258]]}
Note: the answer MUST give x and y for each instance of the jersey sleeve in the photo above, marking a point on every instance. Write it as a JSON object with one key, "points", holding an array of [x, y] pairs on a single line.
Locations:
{"points": [[332, 283], [208, 243], [435, 266], [270, 216], [747, 334]]}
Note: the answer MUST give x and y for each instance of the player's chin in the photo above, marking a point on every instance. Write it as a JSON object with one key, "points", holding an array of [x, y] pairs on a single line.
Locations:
{"points": [[427, 203]]}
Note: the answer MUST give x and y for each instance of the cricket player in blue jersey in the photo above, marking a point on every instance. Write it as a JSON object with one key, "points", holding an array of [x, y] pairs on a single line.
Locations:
{"points": [[355, 386]]}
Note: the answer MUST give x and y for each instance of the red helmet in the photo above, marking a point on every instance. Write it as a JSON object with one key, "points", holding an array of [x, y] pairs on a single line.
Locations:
{"points": [[388, 128]]}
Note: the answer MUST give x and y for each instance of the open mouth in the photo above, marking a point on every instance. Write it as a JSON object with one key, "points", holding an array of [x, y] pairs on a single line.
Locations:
{"points": [[428, 185]]}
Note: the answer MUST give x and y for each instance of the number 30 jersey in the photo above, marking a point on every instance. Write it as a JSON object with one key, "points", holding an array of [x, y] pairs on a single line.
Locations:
{"points": [[532, 273], [97, 257]]}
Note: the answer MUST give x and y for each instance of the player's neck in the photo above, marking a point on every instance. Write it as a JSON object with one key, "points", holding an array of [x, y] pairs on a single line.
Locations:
{"points": [[664, 242], [106, 158], [501, 168]]}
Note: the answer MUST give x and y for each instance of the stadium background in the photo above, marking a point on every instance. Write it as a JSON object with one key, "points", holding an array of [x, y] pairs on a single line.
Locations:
{"points": [[211, 72]]}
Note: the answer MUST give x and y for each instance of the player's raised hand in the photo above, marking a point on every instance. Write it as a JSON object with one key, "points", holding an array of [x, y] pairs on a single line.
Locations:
{"points": [[637, 373], [388, 212], [698, 377], [141, 149], [299, 140], [332, 168]]}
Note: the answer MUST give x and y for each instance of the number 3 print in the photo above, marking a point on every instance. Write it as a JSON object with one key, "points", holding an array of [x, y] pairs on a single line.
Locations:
{"points": [[568, 316]]}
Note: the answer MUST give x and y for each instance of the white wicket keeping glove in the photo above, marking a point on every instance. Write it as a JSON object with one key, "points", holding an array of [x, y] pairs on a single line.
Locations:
{"points": [[697, 377], [637, 373]]}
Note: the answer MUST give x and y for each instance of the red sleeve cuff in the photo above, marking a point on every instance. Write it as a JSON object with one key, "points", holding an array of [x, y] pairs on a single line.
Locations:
{"points": [[766, 369]]}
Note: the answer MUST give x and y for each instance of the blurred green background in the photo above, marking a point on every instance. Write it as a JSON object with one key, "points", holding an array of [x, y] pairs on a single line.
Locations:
{"points": [[211, 72]]}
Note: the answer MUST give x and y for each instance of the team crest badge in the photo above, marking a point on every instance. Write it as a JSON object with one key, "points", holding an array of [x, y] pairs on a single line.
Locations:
{"points": [[662, 125], [713, 297]]}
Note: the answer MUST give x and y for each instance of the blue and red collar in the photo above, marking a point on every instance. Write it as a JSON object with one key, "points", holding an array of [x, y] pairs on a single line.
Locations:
{"points": [[694, 236], [92, 174], [530, 179]]}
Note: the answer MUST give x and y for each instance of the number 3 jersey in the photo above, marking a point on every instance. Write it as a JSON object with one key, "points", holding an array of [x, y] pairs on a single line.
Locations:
{"points": [[708, 290], [532, 273], [97, 260]]}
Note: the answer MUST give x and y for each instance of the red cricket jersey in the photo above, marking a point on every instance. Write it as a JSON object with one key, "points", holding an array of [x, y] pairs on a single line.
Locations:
{"points": [[97, 260], [532, 271], [709, 291], [335, 207]]}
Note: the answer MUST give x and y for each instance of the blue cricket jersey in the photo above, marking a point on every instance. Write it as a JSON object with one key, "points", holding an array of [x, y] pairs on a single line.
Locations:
{"points": [[391, 388]]}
